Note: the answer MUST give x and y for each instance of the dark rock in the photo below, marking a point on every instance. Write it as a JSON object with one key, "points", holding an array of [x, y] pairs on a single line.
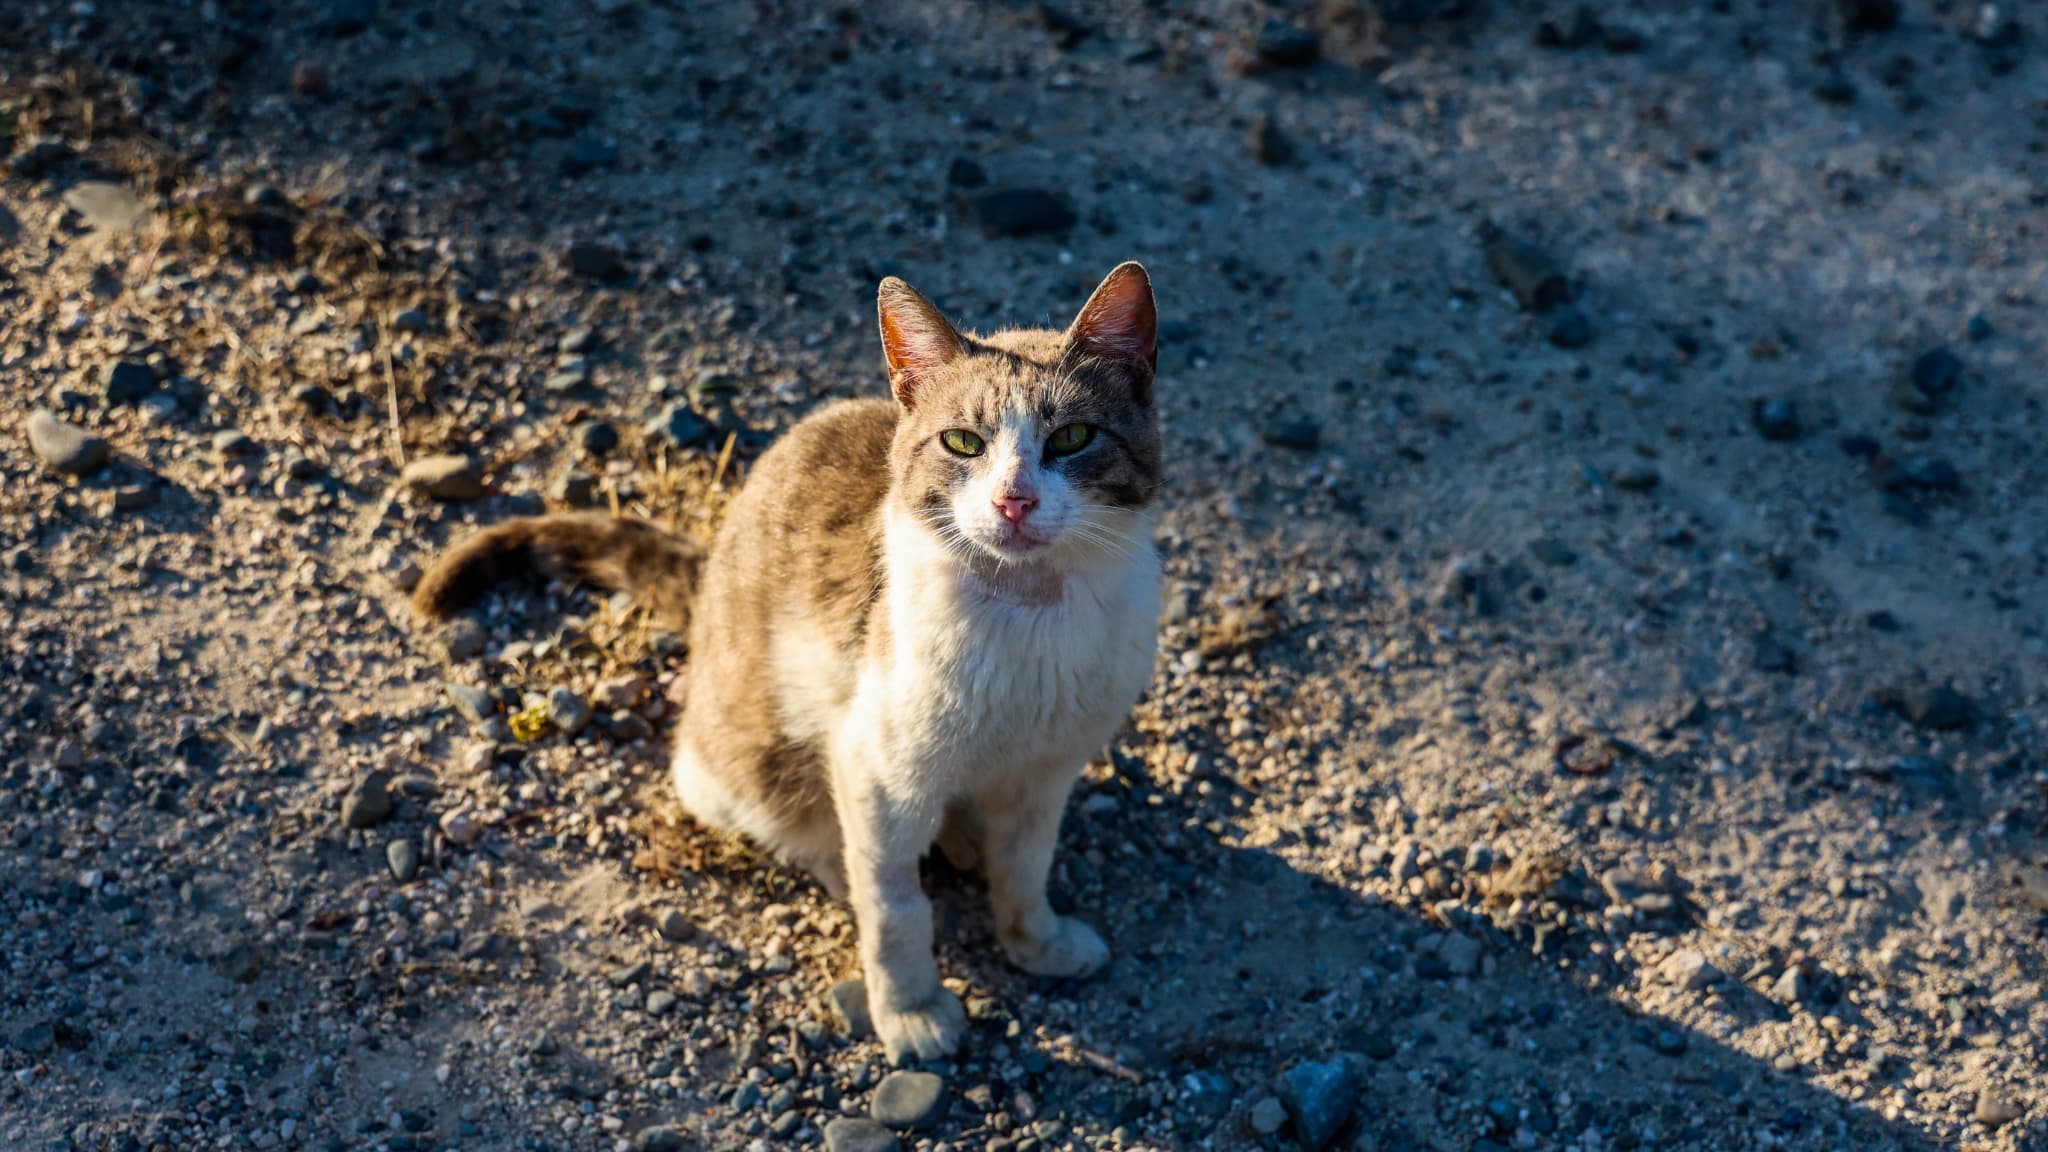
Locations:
{"points": [[576, 488], [681, 427], [462, 640], [965, 175], [913, 1100], [475, 704], [369, 803], [1583, 29], [1936, 372], [1776, 420], [39, 156], [1571, 329], [1552, 552], [413, 321], [1919, 474], [1294, 435], [402, 856], [311, 397], [1637, 477], [1771, 655], [660, 1138], [1835, 88], [241, 962], [1620, 39], [233, 442], [1978, 330], [848, 1134], [1284, 45], [1936, 707], [1319, 1099], [1021, 212], [1526, 271], [65, 447], [1269, 145], [126, 381], [349, 17], [588, 153], [596, 437], [596, 261], [1869, 15]]}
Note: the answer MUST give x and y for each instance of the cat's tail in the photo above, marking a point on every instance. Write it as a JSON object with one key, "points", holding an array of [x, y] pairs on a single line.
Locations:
{"points": [[617, 554]]}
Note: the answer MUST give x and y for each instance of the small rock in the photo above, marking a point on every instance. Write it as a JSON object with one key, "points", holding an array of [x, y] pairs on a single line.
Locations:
{"points": [[1526, 271], [1934, 706], [1835, 88], [403, 858], [1689, 970], [627, 727], [596, 261], [1268, 1116], [1669, 1041], [134, 497], [450, 477], [848, 1000], [1021, 212], [349, 17], [629, 975], [106, 206], [679, 425], [1996, 1111], [1295, 435], [65, 447], [368, 804], [1869, 15], [38, 156], [462, 640], [309, 77], [576, 488], [311, 397], [567, 711], [461, 827], [660, 1001], [1269, 145], [475, 704], [588, 153], [913, 1100], [1570, 329], [234, 442], [661, 1138], [241, 963], [1460, 954], [1553, 552], [1776, 420], [1284, 45], [676, 928], [596, 437], [1933, 375], [1978, 329], [413, 321], [1319, 1099], [1792, 987], [963, 173], [1771, 654], [126, 381], [1637, 477], [850, 1134]]}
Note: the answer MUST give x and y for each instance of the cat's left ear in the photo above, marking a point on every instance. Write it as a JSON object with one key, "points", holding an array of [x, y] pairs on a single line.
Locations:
{"points": [[1120, 324]]}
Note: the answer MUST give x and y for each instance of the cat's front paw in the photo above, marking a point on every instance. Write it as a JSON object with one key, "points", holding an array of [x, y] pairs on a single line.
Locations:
{"points": [[925, 1031], [1073, 949]]}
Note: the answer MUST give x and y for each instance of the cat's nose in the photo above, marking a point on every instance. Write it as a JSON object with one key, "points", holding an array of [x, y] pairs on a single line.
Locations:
{"points": [[1016, 508]]}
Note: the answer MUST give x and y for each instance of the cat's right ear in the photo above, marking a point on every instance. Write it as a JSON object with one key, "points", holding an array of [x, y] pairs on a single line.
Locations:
{"points": [[916, 339]]}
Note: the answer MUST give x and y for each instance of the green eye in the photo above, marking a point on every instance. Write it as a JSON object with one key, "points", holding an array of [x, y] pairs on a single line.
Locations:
{"points": [[1069, 439], [961, 442]]}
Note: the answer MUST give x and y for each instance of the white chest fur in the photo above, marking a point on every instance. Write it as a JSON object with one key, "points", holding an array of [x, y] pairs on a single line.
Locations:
{"points": [[983, 679]]}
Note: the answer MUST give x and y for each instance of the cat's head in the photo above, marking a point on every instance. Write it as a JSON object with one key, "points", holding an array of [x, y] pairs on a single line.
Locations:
{"points": [[1032, 444]]}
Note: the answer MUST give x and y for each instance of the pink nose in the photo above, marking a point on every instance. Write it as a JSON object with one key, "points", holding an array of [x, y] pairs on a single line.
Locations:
{"points": [[1016, 508]]}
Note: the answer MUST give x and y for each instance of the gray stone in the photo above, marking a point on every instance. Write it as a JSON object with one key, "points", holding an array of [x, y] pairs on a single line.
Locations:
{"points": [[235, 442], [1792, 987], [596, 261], [679, 425], [1639, 477], [576, 488], [596, 437], [1777, 420], [449, 477], [134, 497], [106, 206], [660, 1001], [475, 704], [1268, 1116], [660, 1138], [462, 640], [1995, 1110], [413, 321], [1319, 1099], [126, 381], [241, 962], [1293, 435], [403, 858], [1934, 706], [848, 1000], [849, 1134], [1460, 953], [567, 711], [913, 1100], [1570, 329], [674, 927], [65, 447], [1284, 45], [1689, 970], [368, 804]]}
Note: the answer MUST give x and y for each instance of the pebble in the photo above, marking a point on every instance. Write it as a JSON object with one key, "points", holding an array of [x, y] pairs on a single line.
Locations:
{"points": [[909, 1100], [660, 1001], [1319, 1099], [1996, 1111], [462, 640], [1284, 45], [576, 488], [567, 711], [1460, 953], [660, 1138], [1269, 145], [403, 857], [311, 397], [234, 442], [596, 437], [1552, 552], [39, 155], [1294, 435], [106, 206], [1639, 477], [449, 477], [1021, 212], [1688, 969], [1869, 15], [1937, 707], [460, 826], [1570, 329], [1776, 420], [1527, 272], [368, 804], [596, 261], [65, 447], [413, 321], [674, 927], [126, 381], [680, 426], [475, 704], [848, 1001], [1268, 1116], [1791, 987], [850, 1134]]}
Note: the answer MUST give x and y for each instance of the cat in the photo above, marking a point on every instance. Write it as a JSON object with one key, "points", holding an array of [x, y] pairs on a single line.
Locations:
{"points": [[920, 618]]}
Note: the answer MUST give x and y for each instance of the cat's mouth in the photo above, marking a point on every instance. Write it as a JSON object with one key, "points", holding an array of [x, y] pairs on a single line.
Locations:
{"points": [[1013, 540]]}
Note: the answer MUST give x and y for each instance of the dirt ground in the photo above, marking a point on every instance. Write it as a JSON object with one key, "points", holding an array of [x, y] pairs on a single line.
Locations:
{"points": [[1601, 693]]}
